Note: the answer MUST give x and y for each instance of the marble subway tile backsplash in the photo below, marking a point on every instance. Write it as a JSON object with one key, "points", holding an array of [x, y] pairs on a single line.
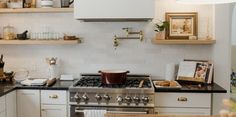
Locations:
{"points": [[97, 51]]}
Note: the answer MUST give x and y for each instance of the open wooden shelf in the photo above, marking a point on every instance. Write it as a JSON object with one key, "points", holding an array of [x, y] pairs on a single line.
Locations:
{"points": [[184, 42], [39, 42], [36, 10]]}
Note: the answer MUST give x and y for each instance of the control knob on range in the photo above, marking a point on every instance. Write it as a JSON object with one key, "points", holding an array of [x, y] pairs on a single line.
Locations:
{"points": [[98, 97], [107, 97], [136, 100], [145, 99], [85, 98], [119, 99], [128, 99], [77, 98]]}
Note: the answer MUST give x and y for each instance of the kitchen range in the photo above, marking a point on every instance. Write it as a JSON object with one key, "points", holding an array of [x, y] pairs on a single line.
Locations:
{"points": [[135, 95]]}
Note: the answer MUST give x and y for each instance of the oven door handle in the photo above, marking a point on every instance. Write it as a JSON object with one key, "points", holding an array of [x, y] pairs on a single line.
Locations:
{"points": [[125, 112], [117, 112]]}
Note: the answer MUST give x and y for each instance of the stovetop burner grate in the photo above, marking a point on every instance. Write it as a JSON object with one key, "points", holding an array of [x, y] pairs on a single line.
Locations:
{"points": [[95, 81]]}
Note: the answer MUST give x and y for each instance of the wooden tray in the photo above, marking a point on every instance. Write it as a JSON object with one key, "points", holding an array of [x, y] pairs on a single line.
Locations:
{"points": [[178, 86]]}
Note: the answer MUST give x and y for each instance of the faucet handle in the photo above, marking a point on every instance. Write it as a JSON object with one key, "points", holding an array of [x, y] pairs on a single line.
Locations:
{"points": [[127, 30]]}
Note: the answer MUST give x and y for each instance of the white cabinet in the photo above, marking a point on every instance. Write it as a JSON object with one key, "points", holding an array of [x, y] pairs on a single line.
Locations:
{"points": [[28, 103], [11, 104], [53, 97], [183, 103], [114, 9], [2, 106], [53, 103], [54, 111]]}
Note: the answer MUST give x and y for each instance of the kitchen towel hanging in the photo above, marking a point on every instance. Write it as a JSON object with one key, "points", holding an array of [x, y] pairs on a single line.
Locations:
{"points": [[94, 113]]}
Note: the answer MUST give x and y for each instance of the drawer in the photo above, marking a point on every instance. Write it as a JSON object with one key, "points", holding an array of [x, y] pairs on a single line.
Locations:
{"points": [[183, 111], [53, 97], [183, 100], [2, 104]]}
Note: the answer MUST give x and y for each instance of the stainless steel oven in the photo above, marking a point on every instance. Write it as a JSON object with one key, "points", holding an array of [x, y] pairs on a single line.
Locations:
{"points": [[78, 111], [89, 93]]}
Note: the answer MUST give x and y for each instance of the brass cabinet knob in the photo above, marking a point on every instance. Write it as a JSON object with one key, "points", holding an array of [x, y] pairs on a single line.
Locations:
{"points": [[182, 99], [53, 96]]}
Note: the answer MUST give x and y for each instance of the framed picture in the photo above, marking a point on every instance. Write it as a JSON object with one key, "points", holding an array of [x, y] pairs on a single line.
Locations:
{"points": [[182, 25]]}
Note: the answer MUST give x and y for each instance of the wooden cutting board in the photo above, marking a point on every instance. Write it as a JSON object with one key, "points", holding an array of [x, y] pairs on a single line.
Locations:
{"points": [[152, 115]]}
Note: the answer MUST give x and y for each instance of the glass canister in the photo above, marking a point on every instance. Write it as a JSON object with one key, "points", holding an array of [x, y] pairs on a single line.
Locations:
{"points": [[15, 3], [8, 33]]}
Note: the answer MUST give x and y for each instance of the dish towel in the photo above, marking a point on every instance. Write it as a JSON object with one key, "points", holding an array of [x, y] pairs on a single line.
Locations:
{"points": [[94, 113]]}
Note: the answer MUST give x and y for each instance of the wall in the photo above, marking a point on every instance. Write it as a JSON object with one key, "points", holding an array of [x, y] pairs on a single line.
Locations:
{"points": [[233, 41], [222, 51], [233, 57], [97, 52]]}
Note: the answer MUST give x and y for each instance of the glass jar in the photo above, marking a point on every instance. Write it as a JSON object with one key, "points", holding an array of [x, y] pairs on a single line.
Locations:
{"points": [[15, 4], [8, 33]]}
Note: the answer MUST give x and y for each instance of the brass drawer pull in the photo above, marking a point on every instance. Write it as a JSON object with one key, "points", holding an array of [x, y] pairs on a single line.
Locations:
{"points": [[182, 99], [53, 96]]}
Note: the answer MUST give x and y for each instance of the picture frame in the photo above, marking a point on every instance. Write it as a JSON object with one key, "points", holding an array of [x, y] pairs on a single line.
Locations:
{"points": [[182, 25]]}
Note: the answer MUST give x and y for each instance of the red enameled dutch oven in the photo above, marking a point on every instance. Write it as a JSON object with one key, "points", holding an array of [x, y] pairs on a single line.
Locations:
{"points": [[113, 76]]}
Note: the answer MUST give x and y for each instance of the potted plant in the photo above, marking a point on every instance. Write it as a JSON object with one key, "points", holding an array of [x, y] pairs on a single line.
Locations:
{"points": [[160, 29]]}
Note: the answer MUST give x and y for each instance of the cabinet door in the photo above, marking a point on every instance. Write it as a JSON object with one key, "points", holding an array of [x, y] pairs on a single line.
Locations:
{"points": [[11, 104], [2, 107], [54, 111], [28, 103]]}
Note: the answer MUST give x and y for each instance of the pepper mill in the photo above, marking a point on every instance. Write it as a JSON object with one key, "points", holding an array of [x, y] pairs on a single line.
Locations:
{"points": [[1, 66]]}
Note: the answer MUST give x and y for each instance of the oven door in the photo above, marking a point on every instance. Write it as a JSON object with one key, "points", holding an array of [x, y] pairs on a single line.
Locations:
{"points": [[77, 111]]}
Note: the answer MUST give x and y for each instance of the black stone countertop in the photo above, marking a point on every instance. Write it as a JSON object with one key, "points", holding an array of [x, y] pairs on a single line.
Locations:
{"points": [[6, 87], [64, 85], [194, 88]]}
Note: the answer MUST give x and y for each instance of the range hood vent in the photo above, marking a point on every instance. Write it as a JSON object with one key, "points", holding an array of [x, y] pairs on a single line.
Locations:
{"points": [[114, 10], [116, 20]]}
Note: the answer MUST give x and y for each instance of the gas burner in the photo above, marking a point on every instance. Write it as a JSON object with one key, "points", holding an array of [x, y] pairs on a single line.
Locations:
{"points": [[95, 81]]}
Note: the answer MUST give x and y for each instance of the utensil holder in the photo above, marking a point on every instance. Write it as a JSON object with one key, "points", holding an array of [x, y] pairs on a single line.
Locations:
{"points": [[1, 72]]}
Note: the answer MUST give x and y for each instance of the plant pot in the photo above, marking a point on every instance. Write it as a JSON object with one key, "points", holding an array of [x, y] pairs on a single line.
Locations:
{"points": [[160, 35]]}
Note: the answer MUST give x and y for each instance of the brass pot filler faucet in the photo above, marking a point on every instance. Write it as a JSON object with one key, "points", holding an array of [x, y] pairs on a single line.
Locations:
{"points": [[128, 33]]}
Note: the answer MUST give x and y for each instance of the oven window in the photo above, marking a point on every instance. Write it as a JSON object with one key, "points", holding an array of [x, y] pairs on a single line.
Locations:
{"points": [[77, 111]]}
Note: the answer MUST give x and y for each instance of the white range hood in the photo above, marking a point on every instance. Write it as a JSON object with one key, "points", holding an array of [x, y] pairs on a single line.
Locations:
{"points": [[114, 10]]}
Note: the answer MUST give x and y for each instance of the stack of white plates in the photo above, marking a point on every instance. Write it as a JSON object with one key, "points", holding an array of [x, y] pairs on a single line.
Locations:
{"points": [[34, 82]]}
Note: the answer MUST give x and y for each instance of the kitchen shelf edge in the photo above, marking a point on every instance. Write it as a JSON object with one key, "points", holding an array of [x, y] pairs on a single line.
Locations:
{"points": [[35, 10], [39, 42], [184, 42]]}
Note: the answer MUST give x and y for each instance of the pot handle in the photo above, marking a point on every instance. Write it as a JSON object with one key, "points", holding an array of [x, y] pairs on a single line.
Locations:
{"points": [[127, 71], [99, 71]]}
